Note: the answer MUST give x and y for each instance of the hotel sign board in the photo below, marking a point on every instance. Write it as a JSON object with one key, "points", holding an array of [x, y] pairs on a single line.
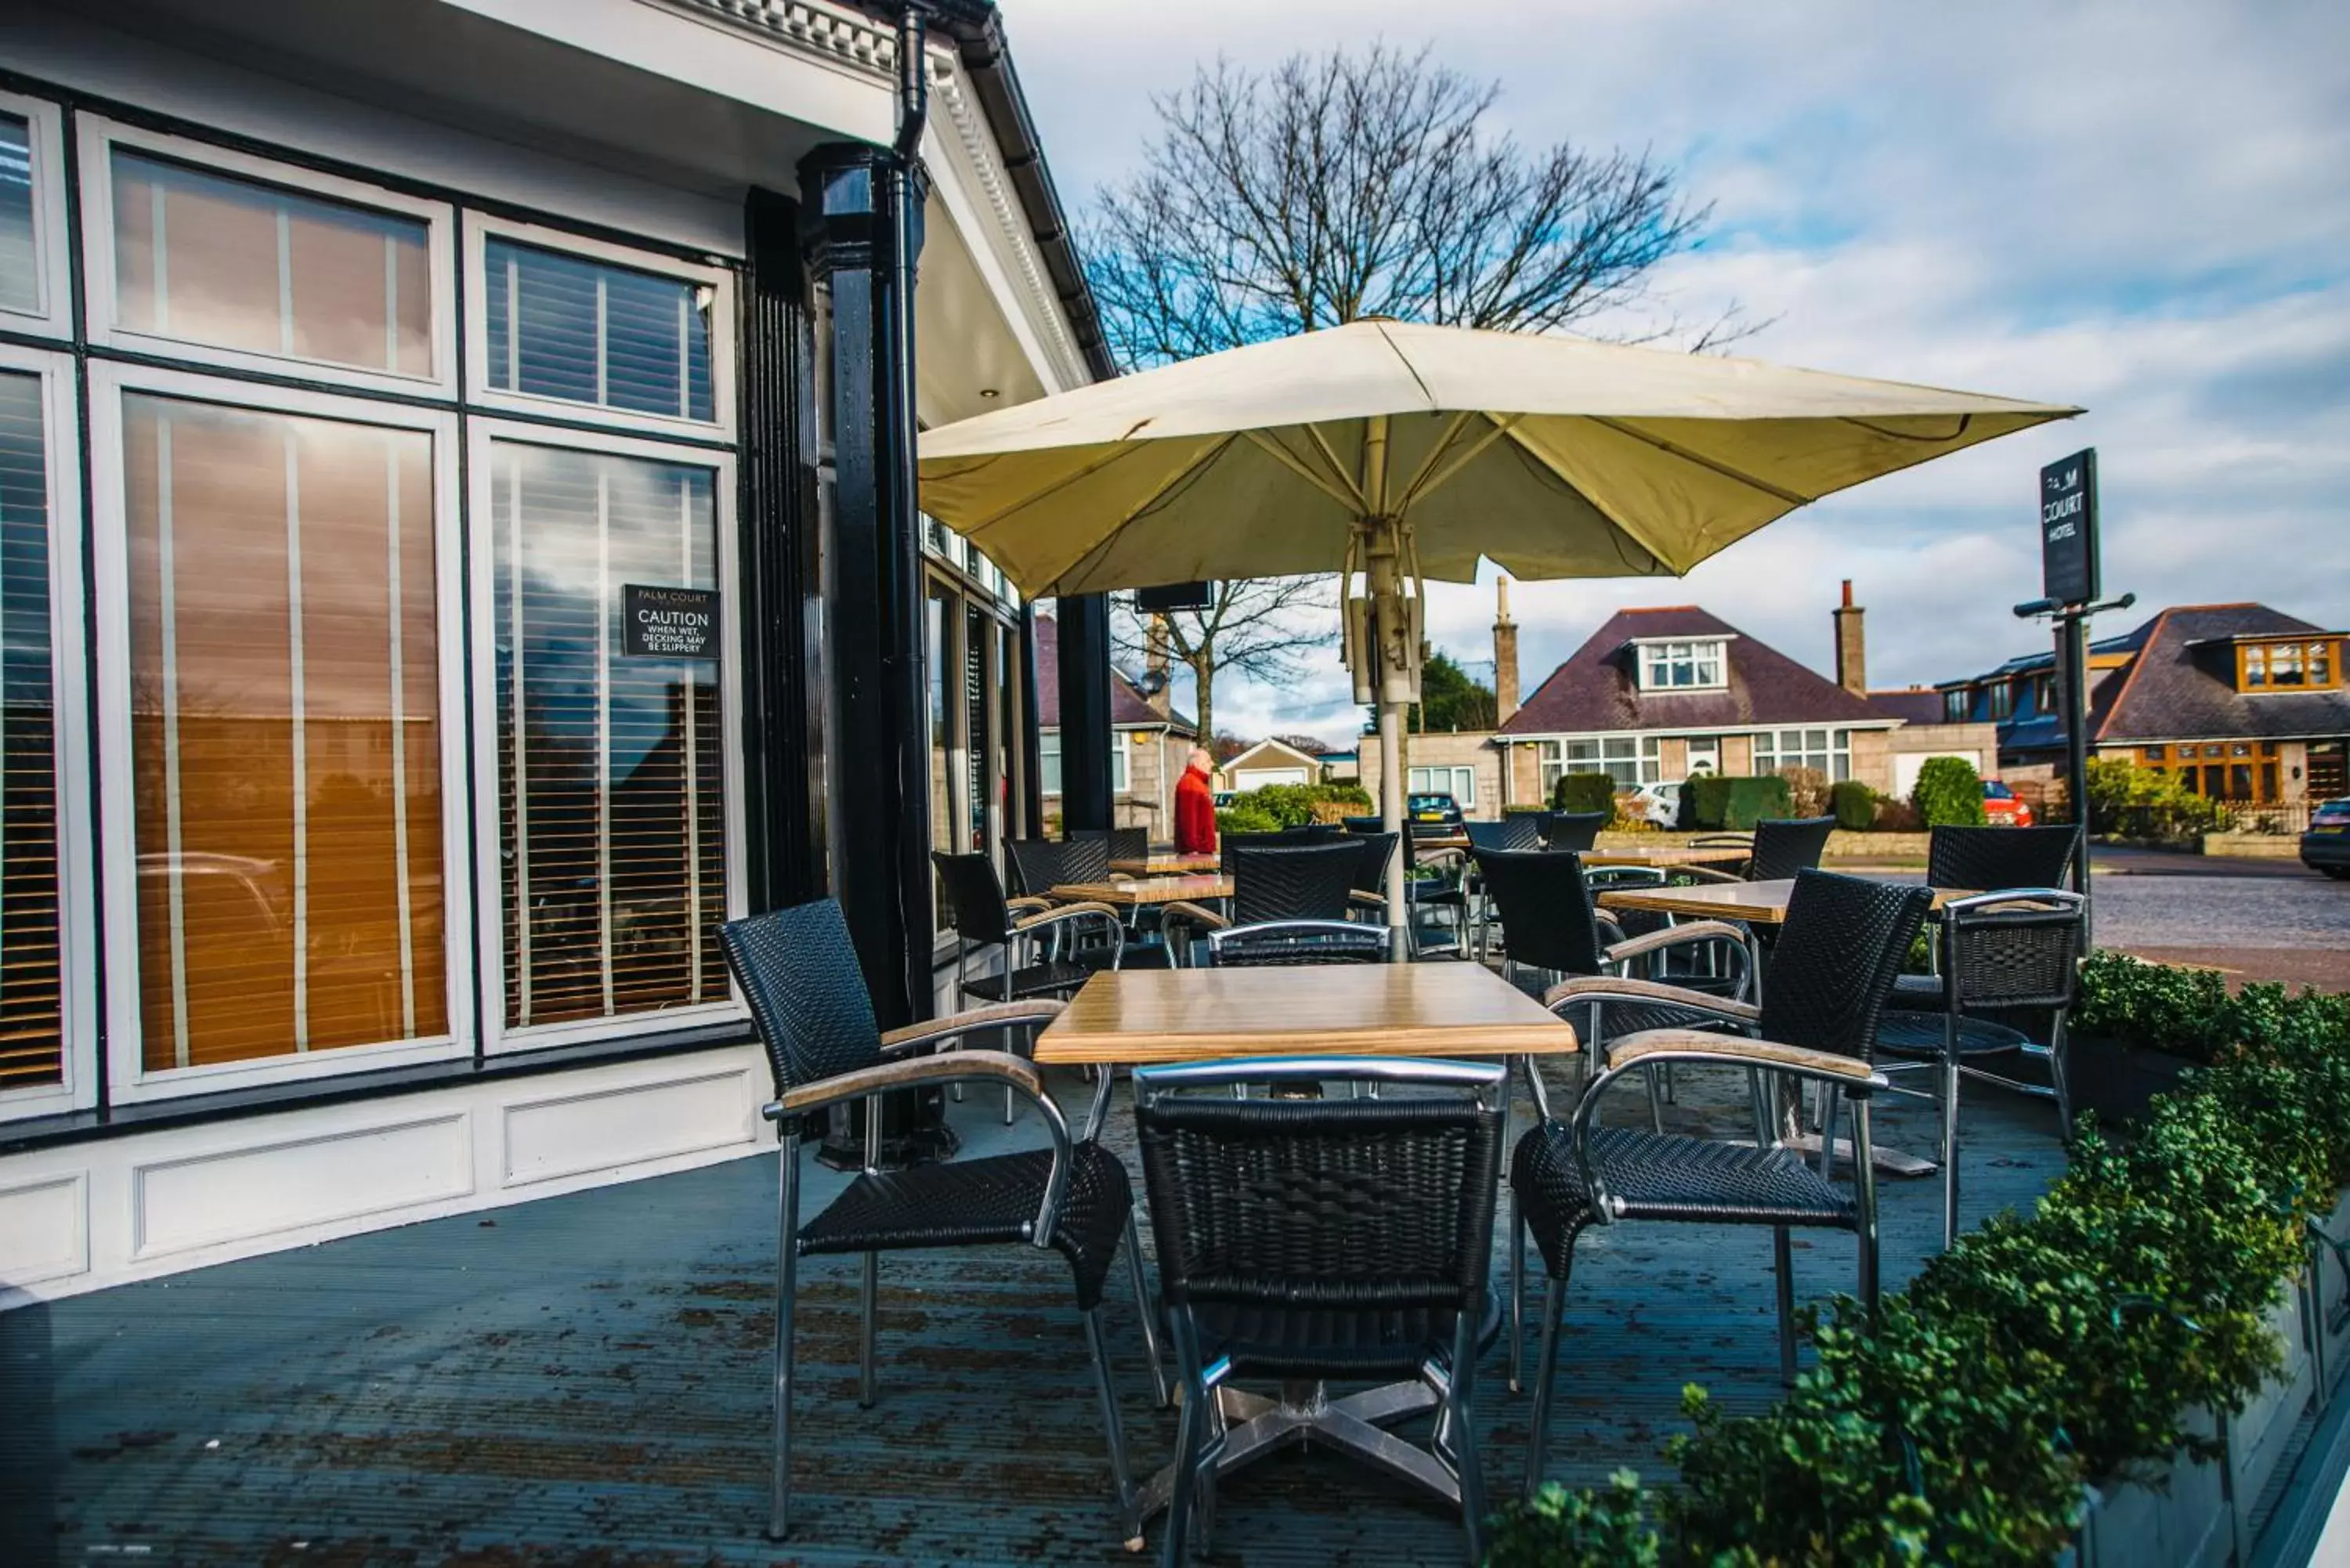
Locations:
{"points": [[669, 623], [2068, 529]]}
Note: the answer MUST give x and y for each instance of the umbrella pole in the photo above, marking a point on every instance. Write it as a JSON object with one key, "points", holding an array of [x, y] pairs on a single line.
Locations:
{"points": [[1392, 810]]}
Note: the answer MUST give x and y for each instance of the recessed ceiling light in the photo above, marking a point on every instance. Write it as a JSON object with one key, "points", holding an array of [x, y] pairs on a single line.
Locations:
{"points": [[989, 392]]}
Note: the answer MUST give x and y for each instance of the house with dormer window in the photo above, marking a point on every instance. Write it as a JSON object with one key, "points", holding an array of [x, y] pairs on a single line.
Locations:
{"points": [[2242, 703]]}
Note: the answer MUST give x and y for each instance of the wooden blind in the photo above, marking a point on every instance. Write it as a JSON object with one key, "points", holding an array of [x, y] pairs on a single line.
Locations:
{"points": [[560, 326], [20, 275], [611, 824], [209, 259], [285, 733], [31, 1019]]}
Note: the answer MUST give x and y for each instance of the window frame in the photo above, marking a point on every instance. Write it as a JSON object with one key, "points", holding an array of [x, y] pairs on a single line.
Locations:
{"points": [[481, 432], [479, 228], [1660, 655], [45, 141], [129, 1081], [98, 138], [76, 828]]}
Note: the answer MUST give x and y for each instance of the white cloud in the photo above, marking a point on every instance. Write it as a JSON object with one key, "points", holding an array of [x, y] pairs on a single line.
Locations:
{"points": [[2142, 208]]}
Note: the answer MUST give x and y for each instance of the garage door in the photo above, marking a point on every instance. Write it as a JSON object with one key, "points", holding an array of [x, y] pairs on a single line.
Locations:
{"points": [[1257, 778], [1907, 764]]}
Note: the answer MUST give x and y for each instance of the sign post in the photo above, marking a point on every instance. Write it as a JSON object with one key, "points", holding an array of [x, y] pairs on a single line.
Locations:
{"points": [[2070, 581]]}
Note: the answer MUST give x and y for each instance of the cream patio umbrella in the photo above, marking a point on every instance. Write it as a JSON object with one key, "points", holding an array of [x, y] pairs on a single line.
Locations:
{"points": [[1407, 453]]}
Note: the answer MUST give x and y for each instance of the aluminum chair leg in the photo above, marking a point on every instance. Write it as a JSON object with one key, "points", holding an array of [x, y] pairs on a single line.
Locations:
{"points": [[1130, 1508], [1950, 1149], [787, 1224], [1783, 1263], [1183, 1491], [1467, 1469], [1147, 1310], [1517, 1293], [869, 1300], [1656, 1102], [1864, 1186], [2060, 1079], [1538, 1433]]}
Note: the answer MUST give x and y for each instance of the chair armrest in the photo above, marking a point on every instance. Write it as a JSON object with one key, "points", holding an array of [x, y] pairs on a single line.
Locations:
{"points": [[1654, 941], [1734, 1050], [1364, 900], [995, 1015], [1623, 988], [1193, 914], [1065, 911], [952, 1066]]}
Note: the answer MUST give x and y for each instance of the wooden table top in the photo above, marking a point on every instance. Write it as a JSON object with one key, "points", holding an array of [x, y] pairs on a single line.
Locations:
{"points": [[1140, 1015], [1146, 890], [1764, 903], [1169, 864], [1666, 856]]}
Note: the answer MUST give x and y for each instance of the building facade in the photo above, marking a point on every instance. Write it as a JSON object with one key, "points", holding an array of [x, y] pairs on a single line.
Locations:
{"points": [[2241, 702], [1153, 744], [459, 549]]}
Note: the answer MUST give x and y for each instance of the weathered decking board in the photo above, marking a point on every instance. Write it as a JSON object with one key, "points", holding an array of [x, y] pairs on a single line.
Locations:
{"points": [[585, 1378]]}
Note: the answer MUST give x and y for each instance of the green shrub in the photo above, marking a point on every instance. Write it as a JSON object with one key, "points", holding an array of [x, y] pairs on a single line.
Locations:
{"points": [[1717, 801], [1523, 810], [1242, 818], [2127, 801], [2041, 1353], [1855, 804], [1294, 805], [1949, 794], [1583, 792]]}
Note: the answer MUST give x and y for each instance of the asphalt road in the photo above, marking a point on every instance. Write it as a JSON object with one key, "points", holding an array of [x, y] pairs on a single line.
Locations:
{"points": [[2256, 920]]}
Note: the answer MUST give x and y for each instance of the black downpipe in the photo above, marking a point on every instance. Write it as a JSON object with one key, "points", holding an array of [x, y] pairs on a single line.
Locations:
{"points": [[911, 686]]}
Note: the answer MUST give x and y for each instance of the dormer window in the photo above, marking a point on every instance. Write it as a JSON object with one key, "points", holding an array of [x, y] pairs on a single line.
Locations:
{"points": [[2293, 666], [1682, 666]]}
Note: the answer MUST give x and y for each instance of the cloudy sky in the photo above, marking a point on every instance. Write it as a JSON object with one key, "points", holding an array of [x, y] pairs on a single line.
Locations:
{"points": [[2141, 207]]}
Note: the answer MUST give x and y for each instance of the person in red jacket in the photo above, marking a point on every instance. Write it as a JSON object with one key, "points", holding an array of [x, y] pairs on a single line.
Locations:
{"points": [[1195, 808]]}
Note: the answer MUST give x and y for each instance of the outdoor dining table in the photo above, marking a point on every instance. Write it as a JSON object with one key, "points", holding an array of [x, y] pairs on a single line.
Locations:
{"points": [[1169, 864], [1137, 892], [1138, 1017], [1667, 858]]}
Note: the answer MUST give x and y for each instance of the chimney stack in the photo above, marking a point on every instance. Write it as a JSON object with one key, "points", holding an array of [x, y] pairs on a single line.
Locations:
{"points": [[1154, 663], [1851, 646], [1505, 655]]}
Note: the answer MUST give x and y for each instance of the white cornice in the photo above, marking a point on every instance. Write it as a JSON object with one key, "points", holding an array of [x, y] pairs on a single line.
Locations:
{"points": [[843, 39]]}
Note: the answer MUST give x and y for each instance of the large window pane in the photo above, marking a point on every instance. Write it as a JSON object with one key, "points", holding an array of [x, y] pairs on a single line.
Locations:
{"points": [[285, 740], [31, 1013], [239, 265], [560, 326], [20, 253], [611, 822]]}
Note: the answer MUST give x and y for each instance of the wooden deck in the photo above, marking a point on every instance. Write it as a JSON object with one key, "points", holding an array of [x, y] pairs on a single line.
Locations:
{"points": [[585, 1378]]}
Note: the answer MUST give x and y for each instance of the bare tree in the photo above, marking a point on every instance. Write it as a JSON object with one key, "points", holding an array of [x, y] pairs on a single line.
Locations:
{"points": [[1260, 626], [1365, 184]]}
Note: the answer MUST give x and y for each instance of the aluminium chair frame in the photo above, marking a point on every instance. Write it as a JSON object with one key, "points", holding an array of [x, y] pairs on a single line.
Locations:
{"points": [[900, 1069]]}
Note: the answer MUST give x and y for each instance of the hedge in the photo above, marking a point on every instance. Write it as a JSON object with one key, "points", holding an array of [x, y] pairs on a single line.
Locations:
{"points": [[1294, 805], [1855, 804], [1712, 800], [1949, 794], [2039, 1354], [1583, 792]]}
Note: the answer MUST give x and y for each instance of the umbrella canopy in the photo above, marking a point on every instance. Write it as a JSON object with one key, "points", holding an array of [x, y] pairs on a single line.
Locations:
{"points": [[1552, 456], [1410, 451]]}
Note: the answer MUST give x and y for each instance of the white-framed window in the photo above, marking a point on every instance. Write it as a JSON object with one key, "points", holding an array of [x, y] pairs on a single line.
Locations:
{"points": [[48, 1004], [559, 324], [1459, 780], [34, 296], [1696, 665], [1827, 750], [202, 253], [608, 781], [281, 725], [1630, 760], [1048, 754]]}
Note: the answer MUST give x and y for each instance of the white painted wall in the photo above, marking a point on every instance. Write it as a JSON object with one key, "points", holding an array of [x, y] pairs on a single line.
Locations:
{"points": [[1907, 764]]}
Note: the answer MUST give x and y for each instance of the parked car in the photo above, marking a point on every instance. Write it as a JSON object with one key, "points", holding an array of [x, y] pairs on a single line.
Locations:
{"points": [[1656, 803], [2326, 846], [1440, 810], [2004, 807]]}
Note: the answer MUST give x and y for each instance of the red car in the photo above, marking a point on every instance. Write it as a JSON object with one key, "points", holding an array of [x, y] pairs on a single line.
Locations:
{"points": [[2002, 807]]}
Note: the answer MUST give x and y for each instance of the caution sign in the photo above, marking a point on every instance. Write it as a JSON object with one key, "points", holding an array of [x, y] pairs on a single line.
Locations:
{"points": [[669, 623]]}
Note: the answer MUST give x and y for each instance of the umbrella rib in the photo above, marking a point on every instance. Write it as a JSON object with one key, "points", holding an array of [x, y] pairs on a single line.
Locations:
{"points": [[1357, 498], [1114, 453], [1143, 506], [1674, 449], [1500, 428], [1443, 444], [1298, 466]]}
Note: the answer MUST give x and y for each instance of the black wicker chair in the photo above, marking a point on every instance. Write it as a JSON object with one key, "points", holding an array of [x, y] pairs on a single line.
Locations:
{"points": [[1272, 884], [1521, 831], [1129, 844], [798, 971], [1312, 1240], [2017, 954], [1780, 847], [1844, 940], [1575, 830], [1987, 860], [1034, 866], [1230, 845]]}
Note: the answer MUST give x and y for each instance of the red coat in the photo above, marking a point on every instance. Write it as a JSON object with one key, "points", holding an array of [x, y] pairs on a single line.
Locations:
{"points": [[1195, 814]]}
